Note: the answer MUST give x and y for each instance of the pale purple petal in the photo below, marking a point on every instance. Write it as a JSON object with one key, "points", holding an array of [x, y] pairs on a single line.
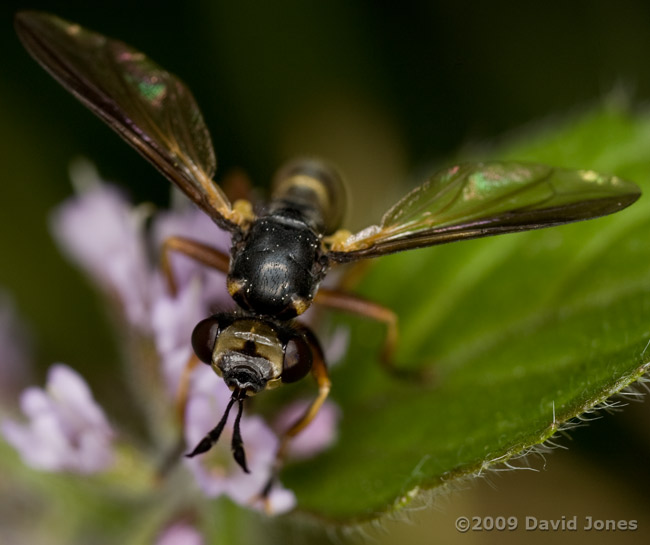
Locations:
{"points": [[180, 534], [75, 402], [15, 351], [102, 233], [41, 444], [188, 221], [280, 500], [319, 435], [67, 430], [333, 340], [172, 321], [335, 344], [215, 471]]}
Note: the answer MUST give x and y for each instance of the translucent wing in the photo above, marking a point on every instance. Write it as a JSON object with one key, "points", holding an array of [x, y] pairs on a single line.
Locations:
{"points": [[482, 199], [147, 106]]}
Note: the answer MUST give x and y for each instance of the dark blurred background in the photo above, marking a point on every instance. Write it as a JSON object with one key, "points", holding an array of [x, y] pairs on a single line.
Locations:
{"points": [[384, 92]]}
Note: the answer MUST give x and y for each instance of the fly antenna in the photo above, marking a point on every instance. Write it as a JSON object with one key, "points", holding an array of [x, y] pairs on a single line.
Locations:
{"points": [[237, 444], [213, 435]]}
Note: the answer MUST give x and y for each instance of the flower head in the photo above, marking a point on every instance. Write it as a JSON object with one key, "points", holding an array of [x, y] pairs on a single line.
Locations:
{"points": [[110, 240], [67, 429], [103, 234]]}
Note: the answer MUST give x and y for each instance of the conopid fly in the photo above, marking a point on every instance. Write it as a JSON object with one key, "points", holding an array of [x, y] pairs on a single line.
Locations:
{"points": [[280, 256]]}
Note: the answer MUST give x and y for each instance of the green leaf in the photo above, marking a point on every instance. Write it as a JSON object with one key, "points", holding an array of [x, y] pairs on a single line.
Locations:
{"points": [[524, 332]]}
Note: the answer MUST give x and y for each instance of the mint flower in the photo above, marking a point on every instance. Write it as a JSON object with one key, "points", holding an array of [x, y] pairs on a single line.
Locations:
{"points": [[66, 430], [103, 234], [118, 246]]}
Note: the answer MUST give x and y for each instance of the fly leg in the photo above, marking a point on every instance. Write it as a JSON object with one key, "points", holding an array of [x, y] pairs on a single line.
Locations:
{"points": [[183, 390], [207, 255], [357, 305], [319, 371], [172, 456]]}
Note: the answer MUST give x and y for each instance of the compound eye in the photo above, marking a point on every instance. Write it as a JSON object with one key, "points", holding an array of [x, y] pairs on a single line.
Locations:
{"points": [[204, 338], [297, 360]]}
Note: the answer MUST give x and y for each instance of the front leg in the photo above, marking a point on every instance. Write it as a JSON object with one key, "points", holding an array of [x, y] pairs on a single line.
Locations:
{"points": [[173, 455], [319, 371]]}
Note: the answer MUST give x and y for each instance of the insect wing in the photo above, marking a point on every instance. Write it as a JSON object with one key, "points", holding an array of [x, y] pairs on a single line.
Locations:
{"points": [[482, 199], [149, 107]]}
